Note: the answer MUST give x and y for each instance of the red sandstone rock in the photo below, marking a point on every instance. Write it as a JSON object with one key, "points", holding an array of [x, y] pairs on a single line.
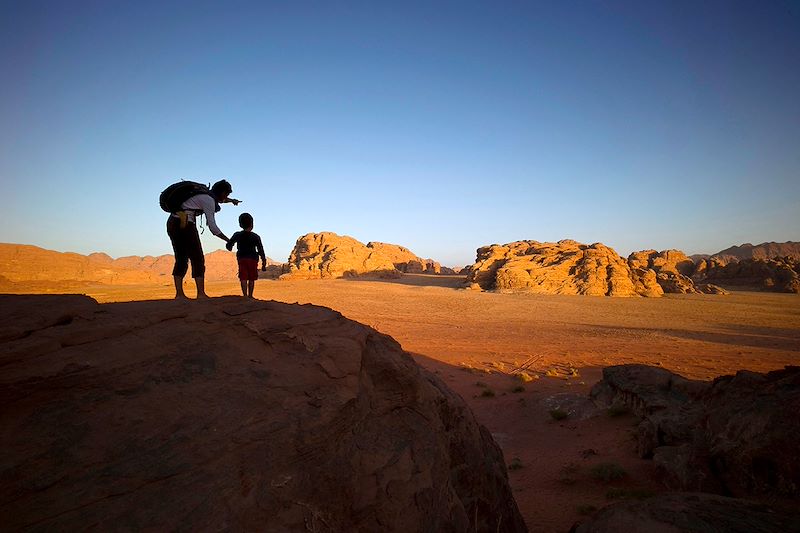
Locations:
{"points": [[231, 415], [565, 267], [328, 255]]}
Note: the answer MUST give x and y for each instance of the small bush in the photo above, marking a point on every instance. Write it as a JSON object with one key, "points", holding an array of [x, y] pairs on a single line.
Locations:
{"points": [[487, 393], [586, 509], [558, 414], [608, 472], [518, 388], [525, 377], [515, 464]]}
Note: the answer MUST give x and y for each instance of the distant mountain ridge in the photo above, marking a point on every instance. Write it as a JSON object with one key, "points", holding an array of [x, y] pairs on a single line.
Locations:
{"points": [[21, 263], [765, 250]]}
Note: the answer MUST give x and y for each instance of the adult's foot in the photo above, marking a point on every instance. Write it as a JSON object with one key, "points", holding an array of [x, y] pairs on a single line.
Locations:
{"points": [[202, 296]]}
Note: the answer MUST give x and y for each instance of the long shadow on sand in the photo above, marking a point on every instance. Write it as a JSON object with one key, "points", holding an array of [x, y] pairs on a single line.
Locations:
{"points": [[420, 280], [737, 335]]}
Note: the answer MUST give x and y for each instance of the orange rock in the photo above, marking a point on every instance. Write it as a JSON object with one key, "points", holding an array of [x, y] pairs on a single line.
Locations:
{"points": [[565, 267]]}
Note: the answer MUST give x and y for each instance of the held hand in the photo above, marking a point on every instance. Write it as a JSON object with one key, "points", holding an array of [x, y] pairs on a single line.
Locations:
{"points": [[234, 201], [263, 268], [229, 246]]}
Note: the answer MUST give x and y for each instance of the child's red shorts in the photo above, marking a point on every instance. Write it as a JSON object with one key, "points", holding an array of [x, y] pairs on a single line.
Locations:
{"points": [[248, 269]]}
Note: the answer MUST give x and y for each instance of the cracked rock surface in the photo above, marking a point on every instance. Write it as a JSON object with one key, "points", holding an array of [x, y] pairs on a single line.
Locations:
{"points": [[231, 415]]}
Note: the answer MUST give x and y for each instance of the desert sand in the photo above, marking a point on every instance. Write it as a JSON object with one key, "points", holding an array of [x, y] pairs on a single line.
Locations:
{"points": [[476, 340]]}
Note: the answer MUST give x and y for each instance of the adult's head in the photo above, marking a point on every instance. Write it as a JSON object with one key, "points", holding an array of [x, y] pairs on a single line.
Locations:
{"points": [[246, 221], [221, 190]]}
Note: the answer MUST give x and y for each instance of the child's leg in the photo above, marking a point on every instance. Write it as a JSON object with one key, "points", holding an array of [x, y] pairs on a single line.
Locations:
{"points": [[244, 288], [251, 285]]}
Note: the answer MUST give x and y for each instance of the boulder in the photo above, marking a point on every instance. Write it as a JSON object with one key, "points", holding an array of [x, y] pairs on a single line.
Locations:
{"points": [[328, 255], [565, 267], [672, 268], [689, 513], [665, 261], [674, 283], [737, 435], [232, 414]]}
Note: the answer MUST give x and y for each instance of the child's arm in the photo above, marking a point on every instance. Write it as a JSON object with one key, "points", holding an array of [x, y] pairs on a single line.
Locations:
{"points": [[260, 250]]}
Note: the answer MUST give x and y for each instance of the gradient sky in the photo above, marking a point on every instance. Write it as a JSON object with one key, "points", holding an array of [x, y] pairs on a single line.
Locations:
{"points": [[441, 126]]}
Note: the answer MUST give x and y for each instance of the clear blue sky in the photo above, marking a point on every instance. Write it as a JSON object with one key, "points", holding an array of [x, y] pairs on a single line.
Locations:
{"points": [[441, 126]]}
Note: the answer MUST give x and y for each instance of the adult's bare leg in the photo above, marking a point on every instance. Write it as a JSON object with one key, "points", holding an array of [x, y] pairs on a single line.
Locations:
{"points": [[251, 285], [179, 294], [244, 287], [201, 287]]}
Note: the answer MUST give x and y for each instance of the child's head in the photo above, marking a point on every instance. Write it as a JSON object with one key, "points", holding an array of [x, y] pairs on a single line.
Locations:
{"points": [[246, 221]]}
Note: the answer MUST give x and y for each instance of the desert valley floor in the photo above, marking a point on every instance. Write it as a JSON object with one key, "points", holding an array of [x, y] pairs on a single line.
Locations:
{"points": [[476, 340]]}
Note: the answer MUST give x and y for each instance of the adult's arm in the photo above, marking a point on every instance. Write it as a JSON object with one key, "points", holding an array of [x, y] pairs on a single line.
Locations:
{"points": [[209, 207], [232, 241]]}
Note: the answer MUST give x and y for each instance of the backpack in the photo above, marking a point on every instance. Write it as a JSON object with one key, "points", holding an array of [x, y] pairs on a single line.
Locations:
{"points": [[172, 198]]}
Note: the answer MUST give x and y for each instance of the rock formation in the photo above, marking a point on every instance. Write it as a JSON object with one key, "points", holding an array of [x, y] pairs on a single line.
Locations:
{"points": [[565, 267], [673, 270], [231, 415], [328, 255], [666, 261], [779, 275], [689, 513], [405, 260], [737, 435]]}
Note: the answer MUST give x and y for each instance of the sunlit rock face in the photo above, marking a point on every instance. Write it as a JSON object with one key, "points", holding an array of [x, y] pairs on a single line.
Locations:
{"points": [[407, 261], [564, 267], [328, 255]]}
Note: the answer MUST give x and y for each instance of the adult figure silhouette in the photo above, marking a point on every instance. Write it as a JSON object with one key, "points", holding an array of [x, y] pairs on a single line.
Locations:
{"points": [[182, 231]]}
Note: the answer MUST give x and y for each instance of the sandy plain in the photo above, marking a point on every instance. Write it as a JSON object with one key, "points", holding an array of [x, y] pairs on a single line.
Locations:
{"points": [[475, 341]]}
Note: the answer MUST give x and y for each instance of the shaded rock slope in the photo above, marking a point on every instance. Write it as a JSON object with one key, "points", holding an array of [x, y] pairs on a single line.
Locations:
{"points": [[682, 512], [231, 415], [736, 436]]}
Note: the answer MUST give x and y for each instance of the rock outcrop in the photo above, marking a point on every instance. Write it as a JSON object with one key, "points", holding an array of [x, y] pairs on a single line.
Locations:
{"points": [[778, 275], [231, 415], [565, 267], [689, 513], [406, 261], [328, 255], [673, 270], [737, 435], [665, 261]]}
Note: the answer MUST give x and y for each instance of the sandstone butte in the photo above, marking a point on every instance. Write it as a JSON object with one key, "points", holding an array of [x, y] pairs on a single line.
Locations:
{"points": [[406, 261], [232, 415], [328, 255], [565, 267]]}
